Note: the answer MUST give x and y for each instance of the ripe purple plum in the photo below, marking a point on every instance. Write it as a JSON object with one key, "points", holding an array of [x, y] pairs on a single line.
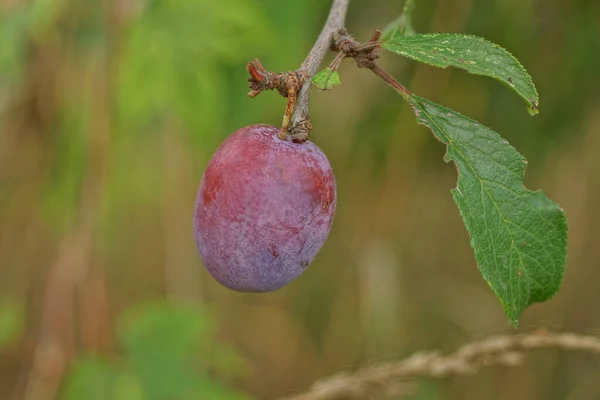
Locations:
{"points": [[264, 209]]}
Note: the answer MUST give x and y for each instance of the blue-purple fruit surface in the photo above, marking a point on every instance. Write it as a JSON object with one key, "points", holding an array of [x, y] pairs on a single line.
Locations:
{"points": [[264, 209]]}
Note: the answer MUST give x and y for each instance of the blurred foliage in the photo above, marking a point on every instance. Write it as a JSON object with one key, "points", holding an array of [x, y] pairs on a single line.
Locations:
{"points": [[11, 322], [402, 25], [144, 91], [98, 380], [167, 354], [429, 389], [172, 61], [65, 176]]}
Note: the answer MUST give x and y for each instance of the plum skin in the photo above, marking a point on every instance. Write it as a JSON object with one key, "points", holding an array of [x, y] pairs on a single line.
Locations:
{"points": [[264, 209]]}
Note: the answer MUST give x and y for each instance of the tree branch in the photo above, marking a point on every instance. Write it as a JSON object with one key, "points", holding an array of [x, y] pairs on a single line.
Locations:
{"points": [[300, 122], [397, 378]]}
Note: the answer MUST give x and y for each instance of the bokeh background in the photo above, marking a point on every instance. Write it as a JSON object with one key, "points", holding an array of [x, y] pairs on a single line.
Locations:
{"points": [[109, 112]]}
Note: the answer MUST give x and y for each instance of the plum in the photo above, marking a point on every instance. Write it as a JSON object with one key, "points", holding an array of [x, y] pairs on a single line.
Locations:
{"points": [[264, 209]]}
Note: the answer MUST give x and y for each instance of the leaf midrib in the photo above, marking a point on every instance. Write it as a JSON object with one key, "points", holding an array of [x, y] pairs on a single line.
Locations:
{"points": [[504, 220]]}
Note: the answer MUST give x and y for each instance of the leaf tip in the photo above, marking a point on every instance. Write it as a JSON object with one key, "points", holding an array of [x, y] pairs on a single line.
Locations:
{"points": [[533, 104], [532, 109], [513, 313]]}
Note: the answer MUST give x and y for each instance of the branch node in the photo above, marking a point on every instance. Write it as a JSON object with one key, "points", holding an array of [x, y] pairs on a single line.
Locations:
{"points": [[261, 79], [295, 85], [365, 54]]}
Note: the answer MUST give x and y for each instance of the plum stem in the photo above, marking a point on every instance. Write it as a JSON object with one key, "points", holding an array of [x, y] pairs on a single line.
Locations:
{"points": [[300, 120], [292, 85], [391, 81]]}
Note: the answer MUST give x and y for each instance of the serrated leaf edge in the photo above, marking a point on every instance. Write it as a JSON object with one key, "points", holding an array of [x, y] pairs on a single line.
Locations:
{"points": [[510, 312], [532, 104]]}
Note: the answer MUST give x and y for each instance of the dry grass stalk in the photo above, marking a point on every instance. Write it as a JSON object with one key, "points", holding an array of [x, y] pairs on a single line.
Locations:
{"points": [[397, 378]]}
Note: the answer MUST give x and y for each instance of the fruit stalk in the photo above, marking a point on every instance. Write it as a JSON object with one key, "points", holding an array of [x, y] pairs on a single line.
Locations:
{"points": [[335, 21]]}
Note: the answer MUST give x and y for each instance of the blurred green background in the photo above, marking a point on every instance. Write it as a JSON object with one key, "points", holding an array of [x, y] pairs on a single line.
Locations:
{"points": [[109, 112]]}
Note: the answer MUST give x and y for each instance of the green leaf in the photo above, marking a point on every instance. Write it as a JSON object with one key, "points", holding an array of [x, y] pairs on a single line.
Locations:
{"points": [[326, 79], [471, 53], [401, 26], [519, 236]]}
